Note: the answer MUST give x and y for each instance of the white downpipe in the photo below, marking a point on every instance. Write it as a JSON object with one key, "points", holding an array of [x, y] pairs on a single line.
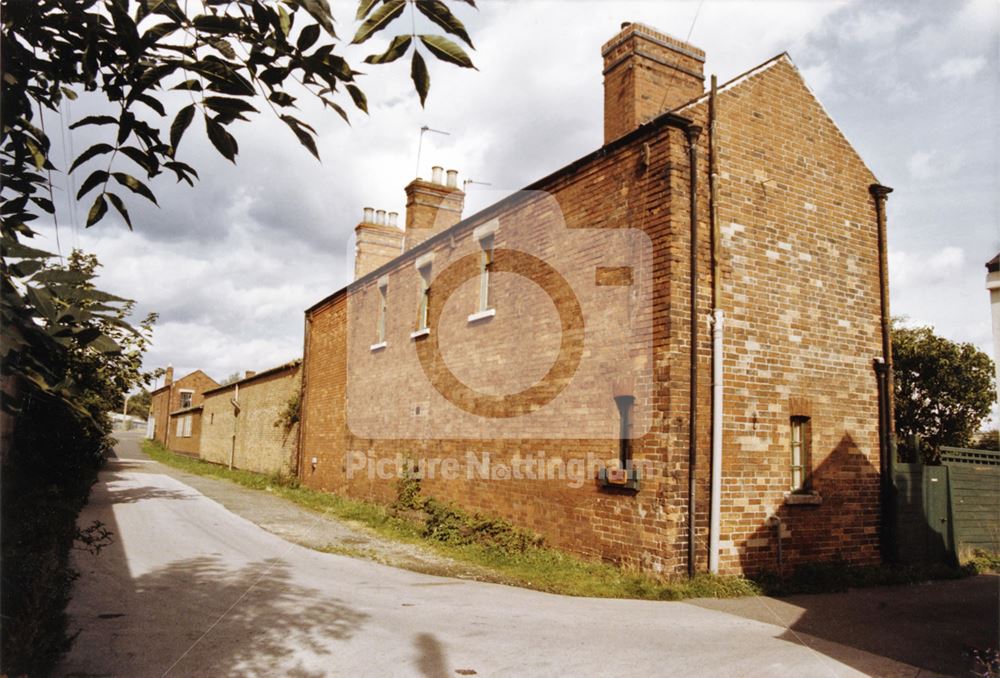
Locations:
{"points": [[715, 523]]}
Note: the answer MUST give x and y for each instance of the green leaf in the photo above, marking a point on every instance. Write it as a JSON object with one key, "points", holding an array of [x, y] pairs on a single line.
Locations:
{"points": [[358, 96], [180, 123], [282, 98], [36, 152], [364, 9], [305, 138], [438, 12], [284, 21], [445, 50], [97, 210], [70, 94], [134, 185], [94, 120], [229, 105], [397, 48], [96, 149], [221, 139], [145, 160], [421, 79], [308, 37], [320, 11], [382, 17], [96, 177], [192, 85], [120, 206]]}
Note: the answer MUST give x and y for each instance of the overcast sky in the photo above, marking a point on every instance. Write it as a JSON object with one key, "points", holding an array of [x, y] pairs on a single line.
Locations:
{"points": [[231, 264]]}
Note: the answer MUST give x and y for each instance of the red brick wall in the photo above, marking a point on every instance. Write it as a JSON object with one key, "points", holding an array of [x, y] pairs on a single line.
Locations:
{"points": [[800, 290], [187, 444], [788, 349], [168, 399]]}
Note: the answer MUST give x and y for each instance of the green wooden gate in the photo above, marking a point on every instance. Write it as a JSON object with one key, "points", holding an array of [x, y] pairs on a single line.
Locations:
{"points": [[945, 512]]}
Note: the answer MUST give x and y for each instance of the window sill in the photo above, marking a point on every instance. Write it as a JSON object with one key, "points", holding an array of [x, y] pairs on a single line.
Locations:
{"points": [[482, 315], [377, 347], [422, 332], [803, 498]]}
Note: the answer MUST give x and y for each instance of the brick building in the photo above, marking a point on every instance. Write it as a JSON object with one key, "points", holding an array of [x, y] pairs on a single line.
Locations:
{"points": [[175, 409], [745, 193], [241, 422]]}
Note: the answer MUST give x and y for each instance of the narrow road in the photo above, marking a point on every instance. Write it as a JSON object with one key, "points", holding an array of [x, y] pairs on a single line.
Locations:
{"points": [[189, 588]]}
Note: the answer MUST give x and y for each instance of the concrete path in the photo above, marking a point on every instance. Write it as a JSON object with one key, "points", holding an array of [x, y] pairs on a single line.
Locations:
{"points": [[190, 588]]}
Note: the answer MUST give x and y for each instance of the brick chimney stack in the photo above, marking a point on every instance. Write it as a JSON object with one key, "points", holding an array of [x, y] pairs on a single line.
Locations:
{"points": [[432, 206], [168, 378], [647, 73], [250, 373], [378, 241]]}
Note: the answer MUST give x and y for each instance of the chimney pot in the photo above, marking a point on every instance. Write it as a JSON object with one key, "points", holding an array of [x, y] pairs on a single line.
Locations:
{"points": [[452, 178], [393, 219], [380, 217], [437, 174], [369, 217]]}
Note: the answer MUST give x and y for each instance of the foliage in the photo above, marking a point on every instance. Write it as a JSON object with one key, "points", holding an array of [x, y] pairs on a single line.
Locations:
{"points": [[60, 438], [139, 403], [943, 389], [225, 57], [986, 440], [289, 416], [231, 379]]}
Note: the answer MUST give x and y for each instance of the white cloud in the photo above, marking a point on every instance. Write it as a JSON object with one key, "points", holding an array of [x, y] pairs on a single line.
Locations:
{"points": [[877, 26], [958, 69], [925, 165], [907, 269], [819, 77]]}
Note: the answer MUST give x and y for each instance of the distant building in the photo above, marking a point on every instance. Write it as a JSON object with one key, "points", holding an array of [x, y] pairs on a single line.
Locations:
{"points": [[175, 409]]}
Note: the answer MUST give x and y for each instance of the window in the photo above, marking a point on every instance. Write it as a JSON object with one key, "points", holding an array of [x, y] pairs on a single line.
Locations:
{"points": [[424, 269], [383, 307], [180, 427], [186, 398], [800, 454], [485, 266], [484, 235], [187, 426]]}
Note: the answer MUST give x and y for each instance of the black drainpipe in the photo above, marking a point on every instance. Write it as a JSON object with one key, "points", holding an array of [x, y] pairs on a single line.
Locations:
{"points": [[883, 370], [693, 131]]}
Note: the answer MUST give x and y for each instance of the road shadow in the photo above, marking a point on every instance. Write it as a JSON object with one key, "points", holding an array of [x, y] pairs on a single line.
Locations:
{"points": [[253, 620], [201, 615], [431, 660]]}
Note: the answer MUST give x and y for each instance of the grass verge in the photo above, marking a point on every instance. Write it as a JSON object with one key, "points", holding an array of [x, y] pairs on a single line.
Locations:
{"points": [[513, 556]]}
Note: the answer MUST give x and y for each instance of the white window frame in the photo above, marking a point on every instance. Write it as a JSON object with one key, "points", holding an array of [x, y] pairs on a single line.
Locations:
{"points": [[485, 237], [183, 392], [424, 266], [800, 453], [383, 313], [187, 426], [180, 428]]}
